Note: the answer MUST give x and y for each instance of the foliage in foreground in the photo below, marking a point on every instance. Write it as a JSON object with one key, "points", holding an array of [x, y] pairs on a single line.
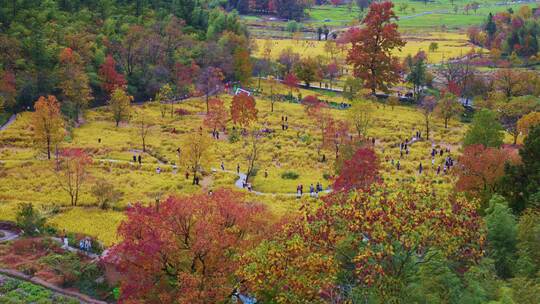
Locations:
{"points": [[186, 249], [369, 245]]}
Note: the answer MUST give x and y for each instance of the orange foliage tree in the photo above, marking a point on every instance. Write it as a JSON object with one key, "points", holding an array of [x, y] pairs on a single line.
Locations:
{"points": [[243, 110], [480, 169], [217, 117], [527, 122], [47, 123], [372, 46], [185, 249]]}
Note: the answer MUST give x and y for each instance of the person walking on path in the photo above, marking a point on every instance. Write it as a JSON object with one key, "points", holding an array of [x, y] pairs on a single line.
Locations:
{"points": [[311, 190], [398, 165], [222, 166], [140, 159], [420, 168]]}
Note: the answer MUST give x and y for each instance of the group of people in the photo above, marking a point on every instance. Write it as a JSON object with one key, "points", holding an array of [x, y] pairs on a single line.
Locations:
{"points": [[137, 158], [215, 134], [284, 122], [247, 185], [85, 244], [313, 190]]}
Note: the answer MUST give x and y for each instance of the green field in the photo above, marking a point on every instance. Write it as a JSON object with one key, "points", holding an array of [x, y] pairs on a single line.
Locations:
{"points": [[417, 14]]}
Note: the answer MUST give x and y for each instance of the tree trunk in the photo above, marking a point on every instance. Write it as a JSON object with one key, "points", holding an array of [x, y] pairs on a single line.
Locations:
{"points": [[515, 134], [48, 148], [207, 108], [427, 128], [446, 123]]}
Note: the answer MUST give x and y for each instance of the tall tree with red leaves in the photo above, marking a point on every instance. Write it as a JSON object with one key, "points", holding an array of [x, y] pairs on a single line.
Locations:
{"points": [[185, 249], [111, 79], [372, 46], [359, 172], [291, 81]]}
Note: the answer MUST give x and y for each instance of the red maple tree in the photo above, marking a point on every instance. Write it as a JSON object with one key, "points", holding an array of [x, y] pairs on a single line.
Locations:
{"points": [[359, 172], [185, 249], [185, 75], [312, 105], [217, 116], [372, 46], [291, 81], [111, 79], [8, 87], [243, 110]]}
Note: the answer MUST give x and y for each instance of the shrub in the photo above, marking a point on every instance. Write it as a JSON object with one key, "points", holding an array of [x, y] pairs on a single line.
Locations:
{"points": [[68, 266], [181, 112], [29, 219], [105, 193], [289, 175], [33, 245], [234, 136]]}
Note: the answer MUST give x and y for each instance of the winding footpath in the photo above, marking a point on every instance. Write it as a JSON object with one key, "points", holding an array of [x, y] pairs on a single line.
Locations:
{"points": [[242, 177]]}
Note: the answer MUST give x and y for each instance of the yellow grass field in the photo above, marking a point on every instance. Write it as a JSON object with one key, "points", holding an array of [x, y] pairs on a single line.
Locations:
{"points": [[25, 176], [450, 45]]}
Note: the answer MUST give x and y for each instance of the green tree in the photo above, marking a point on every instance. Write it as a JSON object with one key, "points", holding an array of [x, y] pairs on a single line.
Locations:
{"points": [[501, 235], [164, 95], [417, 72], [29, 219], [528, 234], [485, 130], [105, 193], [119, 105], [351, 88], [448, 107], [521, 183], [307, 71]]}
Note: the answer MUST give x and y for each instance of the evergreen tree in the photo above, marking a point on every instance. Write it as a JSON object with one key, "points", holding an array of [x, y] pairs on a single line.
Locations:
{"points": [[521, 183], [501, 235]]}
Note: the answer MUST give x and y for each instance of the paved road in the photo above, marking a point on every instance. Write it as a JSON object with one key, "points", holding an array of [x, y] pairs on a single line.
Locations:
{"points": [[242, 177], [9, 122], [8, 235]]}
